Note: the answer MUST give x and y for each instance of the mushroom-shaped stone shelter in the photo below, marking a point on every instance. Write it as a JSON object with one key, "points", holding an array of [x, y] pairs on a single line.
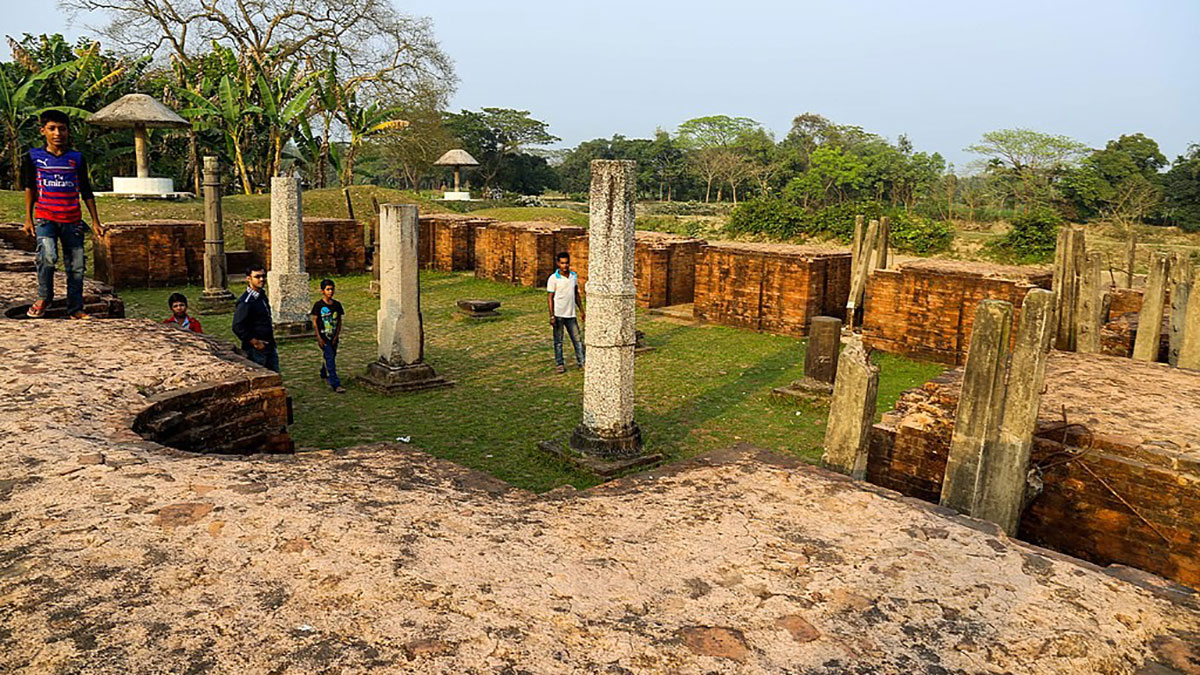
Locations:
{"points": [[457, 158], [139, 112]]}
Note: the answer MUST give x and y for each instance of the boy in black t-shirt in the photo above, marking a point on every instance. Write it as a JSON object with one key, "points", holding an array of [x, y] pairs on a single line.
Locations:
{"points": [[327, 316]]}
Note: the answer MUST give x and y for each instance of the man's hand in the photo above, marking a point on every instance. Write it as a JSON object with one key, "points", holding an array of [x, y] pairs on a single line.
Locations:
{"points": [[28, 227], [320, 342], [553, 322], [98, 228], [582, 316], [258, 344]]}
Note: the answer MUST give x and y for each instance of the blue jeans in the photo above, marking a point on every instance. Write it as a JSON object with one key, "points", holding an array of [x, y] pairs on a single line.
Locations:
{"points": [[49, 235], [572, 326], [267, 358], [329, 370]]}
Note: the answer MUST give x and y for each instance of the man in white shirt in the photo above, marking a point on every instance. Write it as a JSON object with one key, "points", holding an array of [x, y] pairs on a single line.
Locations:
{"points": [[562, 296]]}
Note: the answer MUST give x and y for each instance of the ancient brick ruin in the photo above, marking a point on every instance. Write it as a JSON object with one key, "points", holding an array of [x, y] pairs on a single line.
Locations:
{"points": [[776, 288], [18, 290], [924, 308], [147, 253], [1120, 480], [522, 252], [664, 267], [331, 245], [448, 241], [119, 552]]}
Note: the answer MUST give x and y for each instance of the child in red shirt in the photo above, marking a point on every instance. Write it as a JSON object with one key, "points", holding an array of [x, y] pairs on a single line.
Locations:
{"points": [[179, 316]]}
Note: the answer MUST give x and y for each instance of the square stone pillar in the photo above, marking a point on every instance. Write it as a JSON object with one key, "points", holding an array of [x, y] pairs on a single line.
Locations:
{"points": [[820, 360], [608, 429], [287, 282], [401, 365], [216, 298], [851, 411]]}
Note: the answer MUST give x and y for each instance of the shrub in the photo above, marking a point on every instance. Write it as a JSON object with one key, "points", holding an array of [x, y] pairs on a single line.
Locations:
{"points": [[1034, 234], [837, 220], [766, 215], [918, 234]]}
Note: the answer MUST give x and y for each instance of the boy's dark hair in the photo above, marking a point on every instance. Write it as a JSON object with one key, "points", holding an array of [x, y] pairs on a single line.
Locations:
{"points": [[326, 282], [255, 267], [563, 254], [49, 116], [176, 297]]}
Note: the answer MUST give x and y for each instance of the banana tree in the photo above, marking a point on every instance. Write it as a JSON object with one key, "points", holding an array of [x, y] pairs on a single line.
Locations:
{"points": [[363, 123], [225, 109], [284, 103], [18, 108]]}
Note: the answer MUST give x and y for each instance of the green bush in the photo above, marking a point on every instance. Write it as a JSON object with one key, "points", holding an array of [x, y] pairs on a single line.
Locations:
{"points": [[767, 215], [837, 220], [1033, 235], [918, 234]]}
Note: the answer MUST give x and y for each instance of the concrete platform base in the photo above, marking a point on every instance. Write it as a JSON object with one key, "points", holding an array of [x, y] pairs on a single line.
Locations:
{"points": [[387, 379], [218, 302], [452, 196], [294, 330], [597, 465]]}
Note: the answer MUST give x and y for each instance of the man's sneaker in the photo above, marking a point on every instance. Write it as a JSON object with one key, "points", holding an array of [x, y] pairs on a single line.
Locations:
{"points": [[339, 390], [560, 369], [37, 310]]}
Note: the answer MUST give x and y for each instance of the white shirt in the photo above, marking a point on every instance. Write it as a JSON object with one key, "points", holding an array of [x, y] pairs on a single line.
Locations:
{"points": [[563, 289]]}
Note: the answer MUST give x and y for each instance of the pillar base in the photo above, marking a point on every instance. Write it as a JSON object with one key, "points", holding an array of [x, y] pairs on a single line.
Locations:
{"points": [[219, 301], [624, 445], [388, 379], [293, 330], [803, 389], [599, 466]]}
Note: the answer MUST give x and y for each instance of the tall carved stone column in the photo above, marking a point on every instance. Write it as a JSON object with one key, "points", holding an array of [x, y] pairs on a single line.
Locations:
{"points": [[608, 429], [287, 282], [401, 365], [216, 297], [1149, 329]]}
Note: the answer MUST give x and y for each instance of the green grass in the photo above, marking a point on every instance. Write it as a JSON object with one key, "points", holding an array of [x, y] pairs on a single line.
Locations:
{"points": [[547, 213], [702, 388]]}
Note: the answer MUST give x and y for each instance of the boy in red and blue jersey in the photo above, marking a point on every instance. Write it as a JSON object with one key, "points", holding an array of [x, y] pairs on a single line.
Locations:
{"points": [[55, 178]]}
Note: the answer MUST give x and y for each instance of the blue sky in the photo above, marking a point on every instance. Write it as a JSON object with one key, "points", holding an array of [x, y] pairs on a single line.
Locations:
{"points": [[942, 72]]}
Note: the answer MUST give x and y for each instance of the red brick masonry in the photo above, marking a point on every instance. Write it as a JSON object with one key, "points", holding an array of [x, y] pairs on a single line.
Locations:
{"points": [[522, 252], [447, 241], [331, 245], [147, 253], [925, 309], [1122, 485], [664, 266], [776, 288]]}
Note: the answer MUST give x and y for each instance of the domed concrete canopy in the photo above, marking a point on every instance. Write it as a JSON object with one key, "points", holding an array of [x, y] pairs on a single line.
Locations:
{"points": [[457, 157], [137, 110]]}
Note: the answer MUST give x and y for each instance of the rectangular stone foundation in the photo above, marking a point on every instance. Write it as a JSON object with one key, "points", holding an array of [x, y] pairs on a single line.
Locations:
{"points": [[1121, 483], [149, 253], [925, 309], [522, 252], [776, 288], [331, 245]]}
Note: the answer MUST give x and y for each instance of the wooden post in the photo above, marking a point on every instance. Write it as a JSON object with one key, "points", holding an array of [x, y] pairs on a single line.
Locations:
{"points": [[1130, 257], [1181, 290], [1088, 305], [881, 248], [1149, 329]]}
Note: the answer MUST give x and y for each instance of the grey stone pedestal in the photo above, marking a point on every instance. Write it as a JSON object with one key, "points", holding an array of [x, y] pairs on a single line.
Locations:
{"points": [[479, 309], [389, 379]]}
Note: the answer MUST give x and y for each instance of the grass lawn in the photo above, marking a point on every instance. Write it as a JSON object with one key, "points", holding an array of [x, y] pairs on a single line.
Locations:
{"points": [[702, 388]]}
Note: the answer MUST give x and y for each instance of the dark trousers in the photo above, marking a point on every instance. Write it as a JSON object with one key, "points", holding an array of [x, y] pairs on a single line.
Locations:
{"points": [[571, 324], [70, 235], [329, 370], [267, 358]]}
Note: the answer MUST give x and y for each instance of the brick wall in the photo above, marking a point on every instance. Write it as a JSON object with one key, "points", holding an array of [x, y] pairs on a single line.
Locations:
{"points": [[239, 416], [925, 309], [331, 245], [150, 253], [776, 288], [1132, 452], [14, 235], [522, 252]]}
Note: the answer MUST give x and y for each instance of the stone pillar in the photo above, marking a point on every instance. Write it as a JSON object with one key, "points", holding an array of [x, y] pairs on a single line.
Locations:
{"points": [[1189, 344], [980, 405], [1089, 305], [856, 246], [608, 429], [400, 366], [1181, 289], [1068, 263], [374, 289], [216, 297], [1130, 257], [851, 411], [881, 247], [862, 270], [1004, 467], [820, 360], [1149, 328], [287, 282]]}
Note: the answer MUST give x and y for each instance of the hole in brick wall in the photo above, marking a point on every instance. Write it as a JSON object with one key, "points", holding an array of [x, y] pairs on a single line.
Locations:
{"points": [[238, 417]]}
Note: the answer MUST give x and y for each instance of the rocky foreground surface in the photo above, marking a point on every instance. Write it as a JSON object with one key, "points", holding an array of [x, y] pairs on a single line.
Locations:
{"points": [[118, 555]]}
